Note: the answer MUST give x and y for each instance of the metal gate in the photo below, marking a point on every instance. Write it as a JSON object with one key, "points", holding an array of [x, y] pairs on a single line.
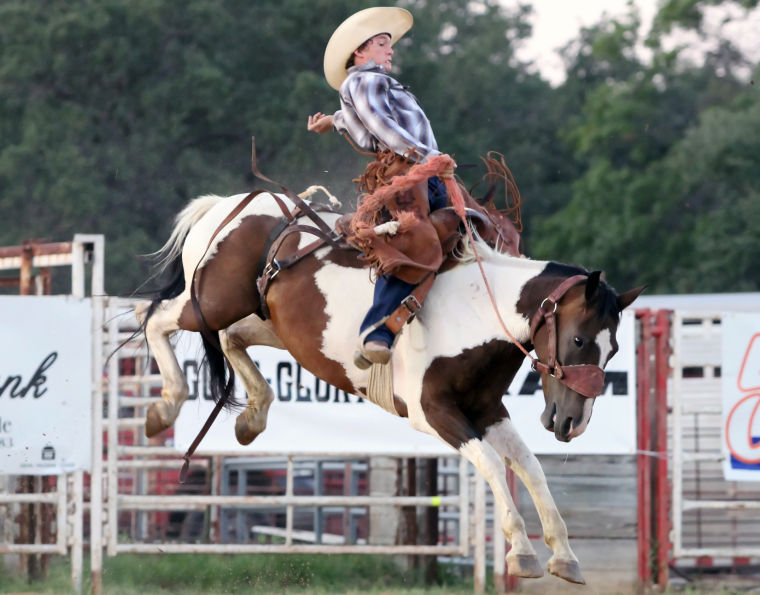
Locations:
{"points": [[689, 517], [714, 521]]}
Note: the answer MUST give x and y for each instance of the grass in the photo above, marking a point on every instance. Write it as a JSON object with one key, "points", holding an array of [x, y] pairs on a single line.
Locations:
{"points": [[172, 574], [133, 574]]}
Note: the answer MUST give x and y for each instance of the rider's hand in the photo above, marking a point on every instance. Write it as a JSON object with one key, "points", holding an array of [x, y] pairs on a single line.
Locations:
{"points": [[320, 123]]}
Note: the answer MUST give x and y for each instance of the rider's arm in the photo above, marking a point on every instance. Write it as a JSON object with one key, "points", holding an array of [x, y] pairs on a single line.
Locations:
{"points": [[320, 123]]}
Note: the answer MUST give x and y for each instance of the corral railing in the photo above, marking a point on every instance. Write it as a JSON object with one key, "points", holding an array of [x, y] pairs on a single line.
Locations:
{"points": [[714, 521]]}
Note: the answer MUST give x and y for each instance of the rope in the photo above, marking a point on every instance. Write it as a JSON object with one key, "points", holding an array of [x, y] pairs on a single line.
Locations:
{"points": [[457, 201], [380, 387], [372, 204], [438, 165]]}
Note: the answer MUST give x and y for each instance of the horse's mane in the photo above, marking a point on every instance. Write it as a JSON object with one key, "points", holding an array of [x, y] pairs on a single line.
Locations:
{"points": [[465, 253], [605, 302]]}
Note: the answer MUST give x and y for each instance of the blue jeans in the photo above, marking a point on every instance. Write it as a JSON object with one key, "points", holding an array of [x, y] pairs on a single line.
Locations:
{"points": [[389, 290]]}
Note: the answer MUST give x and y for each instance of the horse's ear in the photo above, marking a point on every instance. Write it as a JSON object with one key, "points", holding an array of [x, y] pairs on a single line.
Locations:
{"points": [[487, 200], [592, 285], [626, 299]]}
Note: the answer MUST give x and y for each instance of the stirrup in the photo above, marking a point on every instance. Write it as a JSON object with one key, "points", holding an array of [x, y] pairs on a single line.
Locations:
{"points": [[360, 361], [364, 358]]}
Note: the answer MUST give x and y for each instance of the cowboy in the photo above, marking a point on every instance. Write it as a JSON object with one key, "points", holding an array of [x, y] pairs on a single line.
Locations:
{"points": [[378, 113]]}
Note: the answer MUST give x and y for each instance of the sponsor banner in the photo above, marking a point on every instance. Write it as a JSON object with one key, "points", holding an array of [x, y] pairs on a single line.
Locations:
{"points": [[740, 373], [310, 416], [45, 384]]}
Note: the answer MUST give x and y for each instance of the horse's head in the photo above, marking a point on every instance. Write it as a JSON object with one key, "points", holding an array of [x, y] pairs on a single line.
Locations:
{"points": [[571, 358]]}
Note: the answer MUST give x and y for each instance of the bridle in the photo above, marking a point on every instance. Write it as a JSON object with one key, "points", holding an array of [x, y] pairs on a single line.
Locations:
{"points": [[585, 379]]}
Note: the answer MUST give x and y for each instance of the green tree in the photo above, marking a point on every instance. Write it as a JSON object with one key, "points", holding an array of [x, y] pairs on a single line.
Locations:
{"points": [[631, 211], [115, 113], [713, 203]]}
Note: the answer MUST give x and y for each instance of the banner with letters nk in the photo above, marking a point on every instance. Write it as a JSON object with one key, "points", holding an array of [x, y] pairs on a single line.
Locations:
{"points": [[312, 417], [45, 384], [740, 378]]}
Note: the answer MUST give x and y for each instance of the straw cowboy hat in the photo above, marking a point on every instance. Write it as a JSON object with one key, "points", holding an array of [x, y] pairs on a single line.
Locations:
{"points": [[357, 29]]}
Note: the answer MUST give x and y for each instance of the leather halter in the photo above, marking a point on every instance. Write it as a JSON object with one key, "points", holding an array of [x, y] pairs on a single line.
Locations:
{"points": [[584, 379]]}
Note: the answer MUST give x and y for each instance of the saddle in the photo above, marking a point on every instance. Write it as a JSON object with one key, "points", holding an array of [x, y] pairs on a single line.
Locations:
{"points": [[393, 229]]}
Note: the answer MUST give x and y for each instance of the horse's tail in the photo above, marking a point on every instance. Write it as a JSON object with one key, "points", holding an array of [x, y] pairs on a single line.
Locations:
{"points": [[169, 259], [221, 384], [183, 222], [169, 256]]}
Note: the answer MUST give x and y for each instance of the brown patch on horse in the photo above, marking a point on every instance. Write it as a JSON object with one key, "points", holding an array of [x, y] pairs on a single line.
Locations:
{"points": [[347, 257], [226, 284], [297, 308], [461, 395]]}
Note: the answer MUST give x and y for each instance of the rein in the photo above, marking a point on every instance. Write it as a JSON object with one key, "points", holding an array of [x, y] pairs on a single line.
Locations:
{"points": [[328, 234], [325, 235], [210, 335]]}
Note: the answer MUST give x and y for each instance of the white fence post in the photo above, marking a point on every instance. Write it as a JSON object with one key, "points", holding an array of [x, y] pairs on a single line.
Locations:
{"points": [[479, 570], [77, 528]]}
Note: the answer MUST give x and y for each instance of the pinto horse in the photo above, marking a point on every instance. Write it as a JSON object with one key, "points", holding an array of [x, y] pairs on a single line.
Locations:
{"points": [[451, 364]]}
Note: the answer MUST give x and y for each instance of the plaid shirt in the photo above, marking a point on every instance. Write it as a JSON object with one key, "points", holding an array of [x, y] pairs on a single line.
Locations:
{"points": [[378, 112]]}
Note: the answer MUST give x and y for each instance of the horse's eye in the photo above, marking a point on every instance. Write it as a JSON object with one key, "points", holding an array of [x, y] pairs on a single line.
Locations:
{"points": [[578, 341]]}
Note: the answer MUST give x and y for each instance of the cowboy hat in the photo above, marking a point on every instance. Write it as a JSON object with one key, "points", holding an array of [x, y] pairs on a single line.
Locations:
{"points": [[357, 29]]}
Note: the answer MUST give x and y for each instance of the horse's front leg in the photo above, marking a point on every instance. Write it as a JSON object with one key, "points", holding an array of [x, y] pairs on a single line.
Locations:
{"points": [[447, 422], [507, 442], [159, 327], [234, 340]]}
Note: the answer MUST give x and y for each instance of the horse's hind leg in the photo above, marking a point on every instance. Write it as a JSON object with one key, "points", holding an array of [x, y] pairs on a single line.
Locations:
{"points": [[234, 339], [160, 326], [507, 442]]}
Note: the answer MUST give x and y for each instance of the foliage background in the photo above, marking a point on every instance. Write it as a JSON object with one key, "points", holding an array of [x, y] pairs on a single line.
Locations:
{"points": [[115, 113]]}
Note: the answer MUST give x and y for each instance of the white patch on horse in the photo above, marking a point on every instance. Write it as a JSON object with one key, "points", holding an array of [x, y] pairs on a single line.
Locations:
{"points": [[579, 428], [462, 289], [348, 295], [307, 238], [198, 237], [604, 342]]}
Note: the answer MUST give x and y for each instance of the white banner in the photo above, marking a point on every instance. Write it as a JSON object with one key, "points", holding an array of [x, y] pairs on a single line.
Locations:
{"points": [[740, 374], [311, 416], [45, 384]]}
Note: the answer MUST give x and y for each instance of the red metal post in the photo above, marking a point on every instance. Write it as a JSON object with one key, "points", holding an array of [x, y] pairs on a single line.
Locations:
{"points": [[644, 440], [662, 494]]}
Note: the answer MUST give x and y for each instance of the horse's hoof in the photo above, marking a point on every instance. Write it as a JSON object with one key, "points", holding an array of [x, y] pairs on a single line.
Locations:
{"points": [[154, 424], [566, 569], [245, 431], [524, 565]]}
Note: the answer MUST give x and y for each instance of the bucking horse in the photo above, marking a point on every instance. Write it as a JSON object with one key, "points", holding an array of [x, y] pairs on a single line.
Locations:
{"points": [[451, 365]]}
